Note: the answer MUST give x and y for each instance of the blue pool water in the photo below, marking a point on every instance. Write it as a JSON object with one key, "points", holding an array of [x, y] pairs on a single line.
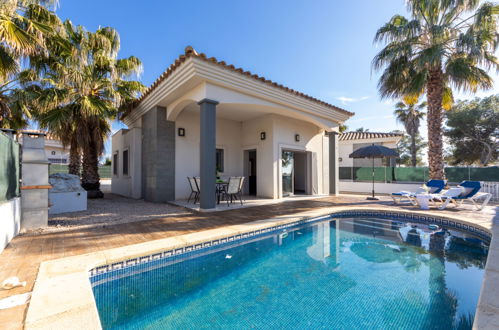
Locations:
{"points": [[353, 273]]}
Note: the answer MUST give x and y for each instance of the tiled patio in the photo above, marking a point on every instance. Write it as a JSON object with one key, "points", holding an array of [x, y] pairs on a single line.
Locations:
{"points": [[25, 253]]}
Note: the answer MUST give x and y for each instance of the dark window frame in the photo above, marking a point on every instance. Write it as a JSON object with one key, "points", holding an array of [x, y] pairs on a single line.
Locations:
{"points": [[115, 163], [125, 164], [220, 160]]}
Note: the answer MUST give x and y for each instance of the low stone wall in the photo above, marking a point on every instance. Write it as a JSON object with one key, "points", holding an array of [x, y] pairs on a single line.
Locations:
{"points": [[10, 224], [379, 187]]}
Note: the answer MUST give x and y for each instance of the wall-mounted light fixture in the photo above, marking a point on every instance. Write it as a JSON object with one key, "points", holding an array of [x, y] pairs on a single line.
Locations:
{"points": [[340, 159], [297, 137], [181, 131], [262, 136]]}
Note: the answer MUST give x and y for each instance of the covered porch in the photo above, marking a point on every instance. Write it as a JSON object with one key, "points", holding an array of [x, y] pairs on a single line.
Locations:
{"points": [[279, 151], [204, 118]]}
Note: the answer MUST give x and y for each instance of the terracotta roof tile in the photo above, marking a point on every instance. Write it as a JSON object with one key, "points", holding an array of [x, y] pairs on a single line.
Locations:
{"points": [[367, 135], [191, 52]]}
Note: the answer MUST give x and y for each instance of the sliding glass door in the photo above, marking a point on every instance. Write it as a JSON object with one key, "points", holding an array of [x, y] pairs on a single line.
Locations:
{"points": [[287, 173]]}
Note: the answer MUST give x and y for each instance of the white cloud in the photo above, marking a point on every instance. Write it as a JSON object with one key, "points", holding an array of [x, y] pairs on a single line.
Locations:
{"points": [[346, 100]]}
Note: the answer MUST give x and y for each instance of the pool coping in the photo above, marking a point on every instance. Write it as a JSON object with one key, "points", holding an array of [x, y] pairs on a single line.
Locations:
{"points": [[62, 296]]}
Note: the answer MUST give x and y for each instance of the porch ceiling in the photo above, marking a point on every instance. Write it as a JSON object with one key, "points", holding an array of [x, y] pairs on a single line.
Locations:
{"points": [[235, 112]]}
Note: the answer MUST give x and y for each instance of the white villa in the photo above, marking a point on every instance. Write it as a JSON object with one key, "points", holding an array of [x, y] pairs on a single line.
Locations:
{"points": [[203, 116], [351, 141]]}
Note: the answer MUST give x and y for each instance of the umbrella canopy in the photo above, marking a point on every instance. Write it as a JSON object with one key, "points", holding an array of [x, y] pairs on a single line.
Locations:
{"points": [[374, 151]]}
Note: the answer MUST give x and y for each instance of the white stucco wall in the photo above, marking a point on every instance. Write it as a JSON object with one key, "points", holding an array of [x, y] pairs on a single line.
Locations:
{"points": [[379, 187], [127, 185], [10, 224], [187, 150], [236, 137], [57, 155], [265, 160]]}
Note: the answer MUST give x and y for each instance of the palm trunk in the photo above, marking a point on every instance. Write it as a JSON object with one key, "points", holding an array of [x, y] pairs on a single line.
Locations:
{"points": [[90, 174], [435, 88], [74, 158], [413, 150]]}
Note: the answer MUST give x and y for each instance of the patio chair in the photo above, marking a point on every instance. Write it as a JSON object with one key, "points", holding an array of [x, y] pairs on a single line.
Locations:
{"points": [[234, 189], [466, 190], [435, 187], [194, 190]]}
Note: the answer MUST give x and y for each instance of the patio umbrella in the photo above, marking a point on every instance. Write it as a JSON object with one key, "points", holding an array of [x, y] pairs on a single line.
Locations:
{"points": [[374, 151]]}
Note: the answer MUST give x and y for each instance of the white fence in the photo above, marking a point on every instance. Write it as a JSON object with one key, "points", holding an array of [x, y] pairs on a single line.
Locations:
{"points": [[491, 187]]}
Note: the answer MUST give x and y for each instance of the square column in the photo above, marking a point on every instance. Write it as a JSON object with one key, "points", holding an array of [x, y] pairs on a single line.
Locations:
{"points": [[333, 164], [208, 130]]}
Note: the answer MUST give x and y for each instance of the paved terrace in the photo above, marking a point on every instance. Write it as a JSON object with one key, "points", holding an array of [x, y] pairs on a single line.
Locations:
{"points": [[115, 221]]}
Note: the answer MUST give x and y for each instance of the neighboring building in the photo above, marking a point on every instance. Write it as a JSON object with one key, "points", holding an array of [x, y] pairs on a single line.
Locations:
{"points": [[351, 141], [54, 150], [203, 115]]}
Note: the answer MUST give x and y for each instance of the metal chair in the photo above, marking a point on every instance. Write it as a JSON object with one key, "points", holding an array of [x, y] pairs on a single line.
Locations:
{"points": [[194, 190], [234, 189]]}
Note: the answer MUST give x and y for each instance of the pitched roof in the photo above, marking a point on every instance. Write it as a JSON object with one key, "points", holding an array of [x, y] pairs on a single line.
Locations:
{"points": [[191, 52], [367, 135]]}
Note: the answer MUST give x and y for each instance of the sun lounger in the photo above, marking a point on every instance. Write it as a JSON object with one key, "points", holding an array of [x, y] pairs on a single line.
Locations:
{"points": [[434, 187], [466, 190]]}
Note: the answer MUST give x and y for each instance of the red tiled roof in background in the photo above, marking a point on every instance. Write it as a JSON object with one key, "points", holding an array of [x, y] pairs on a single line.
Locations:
{"points": [[366, 135], [191, 52]]}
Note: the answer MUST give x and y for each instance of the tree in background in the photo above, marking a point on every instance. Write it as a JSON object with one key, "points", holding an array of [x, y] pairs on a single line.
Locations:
{"points": [[343, 128], [362, 129], [404, 148], [80, 94], [25, 28], [409, 113], [444, 44], [473, 131]]}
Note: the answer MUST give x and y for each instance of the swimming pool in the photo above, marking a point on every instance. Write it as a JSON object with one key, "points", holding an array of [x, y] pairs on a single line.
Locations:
{"points": [[359, 272]]}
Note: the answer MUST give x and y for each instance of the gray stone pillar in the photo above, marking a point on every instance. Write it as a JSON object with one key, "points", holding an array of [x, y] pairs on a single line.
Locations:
{"points": [[158, 156], [35, 182], [333, 164], [208, 131]]}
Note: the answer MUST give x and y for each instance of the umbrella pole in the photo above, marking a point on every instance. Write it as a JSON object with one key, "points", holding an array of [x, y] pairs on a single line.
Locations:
{"points": [[372, 198]]}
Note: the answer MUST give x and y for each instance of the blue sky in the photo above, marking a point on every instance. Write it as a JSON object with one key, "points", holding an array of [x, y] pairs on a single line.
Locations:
{"points": [[321, 48]]}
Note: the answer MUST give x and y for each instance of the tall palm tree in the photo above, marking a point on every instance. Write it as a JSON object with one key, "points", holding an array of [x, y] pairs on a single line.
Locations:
{"points": [[409, 113], [444, 44], [25, 27], [82, 92]]}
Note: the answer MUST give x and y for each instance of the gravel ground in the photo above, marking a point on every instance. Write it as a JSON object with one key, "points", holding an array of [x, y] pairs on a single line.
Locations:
{"points": [[111, 210]]}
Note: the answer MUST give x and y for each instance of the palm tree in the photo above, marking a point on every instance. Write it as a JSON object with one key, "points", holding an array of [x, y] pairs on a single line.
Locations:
{"points": [[81, 93], [410, 114], [25, 27], [444, 44]]}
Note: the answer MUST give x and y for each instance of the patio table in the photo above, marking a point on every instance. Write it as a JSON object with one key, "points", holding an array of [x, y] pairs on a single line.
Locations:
{"points": [[220, 186]]}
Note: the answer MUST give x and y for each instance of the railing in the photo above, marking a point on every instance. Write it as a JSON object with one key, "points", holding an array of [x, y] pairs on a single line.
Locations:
{"points": [[492, 188], [9, 168], [418, 174]]}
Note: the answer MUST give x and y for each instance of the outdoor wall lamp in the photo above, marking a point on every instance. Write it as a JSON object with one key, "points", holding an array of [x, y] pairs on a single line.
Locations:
{"points": [[297, 137], [181, 131], [262, 136]]}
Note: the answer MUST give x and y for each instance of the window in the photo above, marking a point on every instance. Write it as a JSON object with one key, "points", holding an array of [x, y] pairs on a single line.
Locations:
{"points": [[115, 164], [125, 162], [220, 160]]}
